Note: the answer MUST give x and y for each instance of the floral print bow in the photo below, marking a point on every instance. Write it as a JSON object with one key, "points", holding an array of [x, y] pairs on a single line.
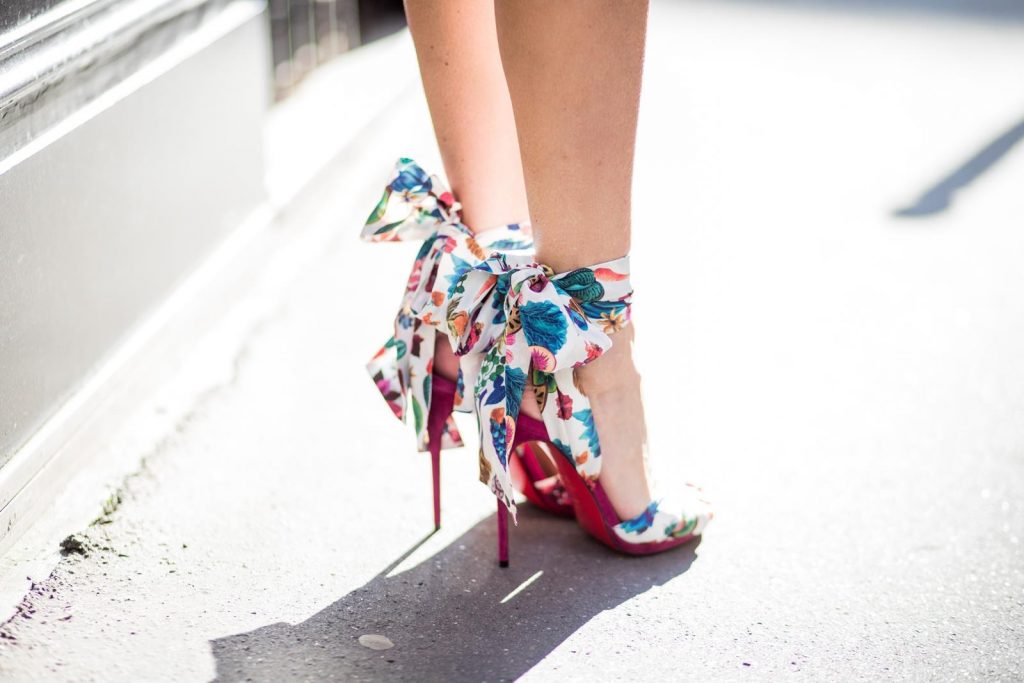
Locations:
{"points": [[510, 319], [416, 205], [524, 322]]}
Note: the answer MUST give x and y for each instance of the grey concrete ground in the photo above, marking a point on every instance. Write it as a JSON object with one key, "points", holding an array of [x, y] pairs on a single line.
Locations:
{"points": [[829, 303]]}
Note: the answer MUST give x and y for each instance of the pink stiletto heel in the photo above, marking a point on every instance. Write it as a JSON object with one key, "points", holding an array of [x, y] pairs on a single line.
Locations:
{"points": [[502, 535], [435, 470], [442, 397]]}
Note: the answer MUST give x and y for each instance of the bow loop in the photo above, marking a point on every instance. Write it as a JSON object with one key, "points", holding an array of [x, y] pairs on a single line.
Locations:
{"points": [[414, 205]]}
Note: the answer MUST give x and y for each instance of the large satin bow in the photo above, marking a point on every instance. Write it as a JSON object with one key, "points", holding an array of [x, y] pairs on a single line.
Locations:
{"points": [[525, 322], [416, 205]]}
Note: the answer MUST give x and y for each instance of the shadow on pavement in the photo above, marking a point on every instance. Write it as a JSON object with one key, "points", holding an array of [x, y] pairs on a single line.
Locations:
{"points": [[938, 197], [456, 616]]}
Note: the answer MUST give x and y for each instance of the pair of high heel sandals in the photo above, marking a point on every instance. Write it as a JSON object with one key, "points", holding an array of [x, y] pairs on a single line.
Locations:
{"points": [[513, 323]]}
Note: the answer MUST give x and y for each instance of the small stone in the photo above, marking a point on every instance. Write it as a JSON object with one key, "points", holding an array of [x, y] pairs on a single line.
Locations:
{"points": [[72, 544], [375, 641]]}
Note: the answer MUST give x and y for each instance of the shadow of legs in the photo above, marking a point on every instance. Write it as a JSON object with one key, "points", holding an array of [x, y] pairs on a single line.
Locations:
{"points": [[455, 616]]}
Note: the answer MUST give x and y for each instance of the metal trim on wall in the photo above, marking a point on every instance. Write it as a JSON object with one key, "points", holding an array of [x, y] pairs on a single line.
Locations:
{"points": [[61, 60]]}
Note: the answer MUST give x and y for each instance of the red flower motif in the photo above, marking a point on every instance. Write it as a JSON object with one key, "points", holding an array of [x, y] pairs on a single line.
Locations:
{"points": [[564, 406]]}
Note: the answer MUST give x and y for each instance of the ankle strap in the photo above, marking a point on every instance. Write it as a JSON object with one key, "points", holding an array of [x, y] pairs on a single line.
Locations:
{"points": [[553, 321]]}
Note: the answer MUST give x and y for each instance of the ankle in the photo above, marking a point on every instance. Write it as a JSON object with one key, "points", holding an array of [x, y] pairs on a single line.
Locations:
{"points": [[446, 363], [612, 372]]}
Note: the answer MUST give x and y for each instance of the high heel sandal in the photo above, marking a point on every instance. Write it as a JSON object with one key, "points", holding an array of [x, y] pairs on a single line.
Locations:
{"points": [[523, 321], [416, 205]]}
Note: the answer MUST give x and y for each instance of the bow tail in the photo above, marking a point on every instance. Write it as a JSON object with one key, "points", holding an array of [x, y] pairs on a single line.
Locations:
{"points": [[401, 369], [421, 366], [389, 369], [570, 424], [496, 417], [469, 370]]}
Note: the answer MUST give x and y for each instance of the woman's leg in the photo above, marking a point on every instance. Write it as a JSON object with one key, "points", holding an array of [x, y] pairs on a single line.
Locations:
{"points": [[573, 69], [457, 50]]}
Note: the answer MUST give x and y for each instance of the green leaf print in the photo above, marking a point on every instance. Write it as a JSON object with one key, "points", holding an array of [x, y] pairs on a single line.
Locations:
{"points": [[417, 414], [381, 208]]}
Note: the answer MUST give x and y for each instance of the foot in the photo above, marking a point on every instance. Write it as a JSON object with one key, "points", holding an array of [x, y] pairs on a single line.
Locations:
{"points": [[612, 384], [446, 363]]}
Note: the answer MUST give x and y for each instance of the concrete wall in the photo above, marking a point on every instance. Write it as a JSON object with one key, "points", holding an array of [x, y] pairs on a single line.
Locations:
{"points": [[109, 206]]}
